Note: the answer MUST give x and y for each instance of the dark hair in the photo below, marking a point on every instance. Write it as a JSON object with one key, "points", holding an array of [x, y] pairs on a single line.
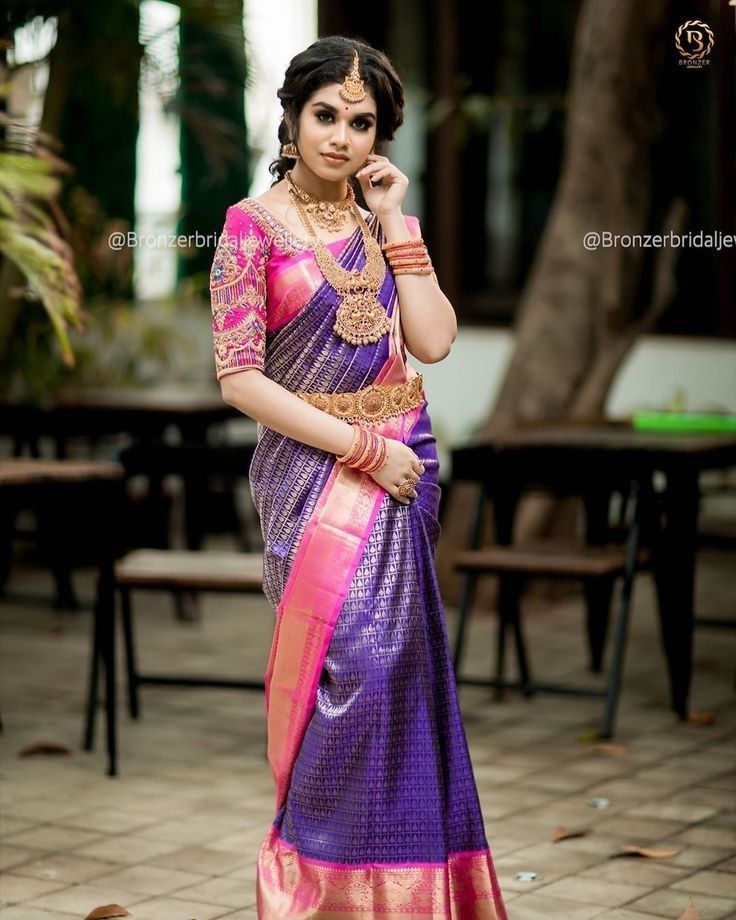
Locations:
{"points": [[329, 60]]}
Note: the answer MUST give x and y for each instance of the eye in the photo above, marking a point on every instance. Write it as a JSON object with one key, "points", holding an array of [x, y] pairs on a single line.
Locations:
{"points": [[321, 115], [365, 125]]}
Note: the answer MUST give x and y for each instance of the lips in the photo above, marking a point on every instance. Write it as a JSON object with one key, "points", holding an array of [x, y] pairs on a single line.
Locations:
{"points": [[334, 158]]}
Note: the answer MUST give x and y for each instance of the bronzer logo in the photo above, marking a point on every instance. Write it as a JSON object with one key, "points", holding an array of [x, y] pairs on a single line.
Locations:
{"points": [[694, 40]]}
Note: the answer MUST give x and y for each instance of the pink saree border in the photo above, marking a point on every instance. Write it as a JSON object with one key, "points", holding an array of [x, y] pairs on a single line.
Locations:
{"points": [[314, 595], [464, 887], [338, 530]]}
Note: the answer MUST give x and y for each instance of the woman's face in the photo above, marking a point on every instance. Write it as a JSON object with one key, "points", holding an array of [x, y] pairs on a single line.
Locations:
{"points": [[329, 125]]}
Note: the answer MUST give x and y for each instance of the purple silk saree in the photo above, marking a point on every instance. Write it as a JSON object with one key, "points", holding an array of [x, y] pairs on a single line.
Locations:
{"points": [[377, 812]]}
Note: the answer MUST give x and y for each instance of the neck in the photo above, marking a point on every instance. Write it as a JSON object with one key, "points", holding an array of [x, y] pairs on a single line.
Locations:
{"points": [[320, 188]]}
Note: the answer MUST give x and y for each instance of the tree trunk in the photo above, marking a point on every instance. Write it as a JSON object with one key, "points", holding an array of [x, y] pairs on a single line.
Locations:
{"points": [[215, 161], [93, 93], [581, 311]]}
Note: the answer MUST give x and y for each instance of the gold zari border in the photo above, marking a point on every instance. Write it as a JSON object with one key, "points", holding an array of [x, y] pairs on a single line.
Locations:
{"points": [[373, 403]]}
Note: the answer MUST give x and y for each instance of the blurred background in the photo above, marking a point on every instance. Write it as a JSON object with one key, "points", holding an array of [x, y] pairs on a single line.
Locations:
{"points": [[127, 130], [153, 117]]}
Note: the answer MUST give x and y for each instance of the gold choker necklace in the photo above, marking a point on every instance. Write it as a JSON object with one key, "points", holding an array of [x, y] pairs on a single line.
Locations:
{"points": [[329, 215], [360, 318]]}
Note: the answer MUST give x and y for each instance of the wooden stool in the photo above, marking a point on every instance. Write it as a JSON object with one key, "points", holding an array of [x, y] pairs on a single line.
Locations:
{"points": [[179, 571]]}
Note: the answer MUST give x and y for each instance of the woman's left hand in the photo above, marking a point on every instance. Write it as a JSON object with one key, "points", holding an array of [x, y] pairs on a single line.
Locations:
{"points": [[387, 196]]}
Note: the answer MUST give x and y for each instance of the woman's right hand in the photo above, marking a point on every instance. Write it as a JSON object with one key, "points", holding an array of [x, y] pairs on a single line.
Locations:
{"points": [[401, 464]]}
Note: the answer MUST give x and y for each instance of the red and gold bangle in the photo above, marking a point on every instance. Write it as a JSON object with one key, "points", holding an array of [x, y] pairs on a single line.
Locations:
{"points": [[376, 456], [410, 263], [408, 257], [393, 257], [368, 451], [421, 249], [418, 265], [403, 244], [379, 458], [357, 445], [417, 270]]}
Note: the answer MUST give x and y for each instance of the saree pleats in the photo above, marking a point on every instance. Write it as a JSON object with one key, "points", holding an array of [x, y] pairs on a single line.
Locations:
{"points": [[377, 812]]}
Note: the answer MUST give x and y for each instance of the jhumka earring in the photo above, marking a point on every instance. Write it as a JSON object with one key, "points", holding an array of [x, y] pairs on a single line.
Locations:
{"points": [[352, 89], [289, 150]]}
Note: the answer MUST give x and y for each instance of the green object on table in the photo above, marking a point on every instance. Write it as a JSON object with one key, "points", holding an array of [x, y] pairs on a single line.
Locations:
{"points": [[714, 422]]}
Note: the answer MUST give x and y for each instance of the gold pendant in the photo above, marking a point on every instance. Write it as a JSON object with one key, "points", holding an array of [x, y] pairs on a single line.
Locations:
{"points": [[361, 319], [327, 216]]}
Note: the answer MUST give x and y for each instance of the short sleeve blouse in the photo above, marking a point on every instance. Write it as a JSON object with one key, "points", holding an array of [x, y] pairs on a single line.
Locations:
{"points": [[238, 294]]}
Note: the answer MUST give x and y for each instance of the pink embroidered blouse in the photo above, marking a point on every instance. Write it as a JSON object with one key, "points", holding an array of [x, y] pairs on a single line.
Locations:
{"points": [[261, 277]]}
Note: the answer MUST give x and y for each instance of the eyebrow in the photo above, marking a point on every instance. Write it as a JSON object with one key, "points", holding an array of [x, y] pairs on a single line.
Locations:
{"points": [[333, 109]]}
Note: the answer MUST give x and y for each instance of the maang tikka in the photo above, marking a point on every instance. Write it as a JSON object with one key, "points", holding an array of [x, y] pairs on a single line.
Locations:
{"points": [[352, 89]]}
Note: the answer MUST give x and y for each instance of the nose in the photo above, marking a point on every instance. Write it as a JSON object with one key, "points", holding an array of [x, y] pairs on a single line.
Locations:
{"points": [[340, 135]]}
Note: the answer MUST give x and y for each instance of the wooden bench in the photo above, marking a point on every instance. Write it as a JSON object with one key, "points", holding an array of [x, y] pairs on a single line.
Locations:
{"points": [[551, 560], [176, 572]]}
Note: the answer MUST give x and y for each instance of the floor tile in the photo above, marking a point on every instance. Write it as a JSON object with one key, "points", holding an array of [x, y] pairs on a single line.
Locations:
{"points": [[181, 826], [595, 891], [670, 902], [149, 879]]}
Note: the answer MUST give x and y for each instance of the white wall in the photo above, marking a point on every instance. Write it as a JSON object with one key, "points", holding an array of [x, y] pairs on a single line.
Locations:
{"points": [[659, 373], [275, 31]]}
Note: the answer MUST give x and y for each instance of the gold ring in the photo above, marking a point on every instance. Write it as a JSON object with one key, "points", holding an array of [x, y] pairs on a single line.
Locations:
{"points": [[406, 487]]}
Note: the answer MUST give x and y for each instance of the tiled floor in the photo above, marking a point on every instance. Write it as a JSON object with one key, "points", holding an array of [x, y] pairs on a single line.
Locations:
{"points": [[176, 835]]}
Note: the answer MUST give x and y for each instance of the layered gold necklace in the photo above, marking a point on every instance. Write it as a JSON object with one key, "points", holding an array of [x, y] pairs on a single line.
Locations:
{"points": [[330, 215], [360, 318]]}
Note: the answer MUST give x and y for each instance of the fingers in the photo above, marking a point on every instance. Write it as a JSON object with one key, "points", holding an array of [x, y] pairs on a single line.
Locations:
{"points": [[375, 174], [405, 499], [377, 170], [374, 158]]}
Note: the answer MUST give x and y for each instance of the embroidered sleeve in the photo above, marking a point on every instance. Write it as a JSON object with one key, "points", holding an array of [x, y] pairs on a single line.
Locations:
{"points": [[415, 229], [238, 294]]}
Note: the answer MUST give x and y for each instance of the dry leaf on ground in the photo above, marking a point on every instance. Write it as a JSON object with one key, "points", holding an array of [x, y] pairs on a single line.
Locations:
{"points": [[561, 833], [106, 912], [609, 750], [648, 852], [43, 747]]}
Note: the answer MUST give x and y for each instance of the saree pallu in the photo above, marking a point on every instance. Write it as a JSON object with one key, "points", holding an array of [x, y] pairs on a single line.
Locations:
{"points": [[377, 813]]}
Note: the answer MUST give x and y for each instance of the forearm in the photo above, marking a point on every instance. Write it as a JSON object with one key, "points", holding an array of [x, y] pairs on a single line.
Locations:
{"points": [[266, 401], [428, 319]]}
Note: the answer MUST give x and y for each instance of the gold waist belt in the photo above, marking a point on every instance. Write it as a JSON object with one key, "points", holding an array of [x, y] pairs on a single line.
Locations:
{"points": [[373, 403]]}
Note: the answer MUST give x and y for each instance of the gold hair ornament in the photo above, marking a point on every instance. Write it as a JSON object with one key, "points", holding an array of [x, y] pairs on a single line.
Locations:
{"points": [[352, 89]]}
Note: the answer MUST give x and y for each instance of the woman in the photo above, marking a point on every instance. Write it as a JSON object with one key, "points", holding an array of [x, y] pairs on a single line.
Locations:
{"points": [[315, 304]]}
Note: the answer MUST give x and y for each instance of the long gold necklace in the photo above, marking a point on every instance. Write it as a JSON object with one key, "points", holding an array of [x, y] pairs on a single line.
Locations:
{"points": [[360, 318], [330, 215]]}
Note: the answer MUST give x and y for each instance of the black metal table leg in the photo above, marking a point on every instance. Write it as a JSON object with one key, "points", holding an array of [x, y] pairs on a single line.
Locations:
{"points": [[469, 582], [106, 608], [94, 677], [674, 572]]}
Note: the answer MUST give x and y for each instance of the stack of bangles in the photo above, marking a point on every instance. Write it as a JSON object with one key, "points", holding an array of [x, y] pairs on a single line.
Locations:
{"points": [[368, 452], [408, 257]]}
